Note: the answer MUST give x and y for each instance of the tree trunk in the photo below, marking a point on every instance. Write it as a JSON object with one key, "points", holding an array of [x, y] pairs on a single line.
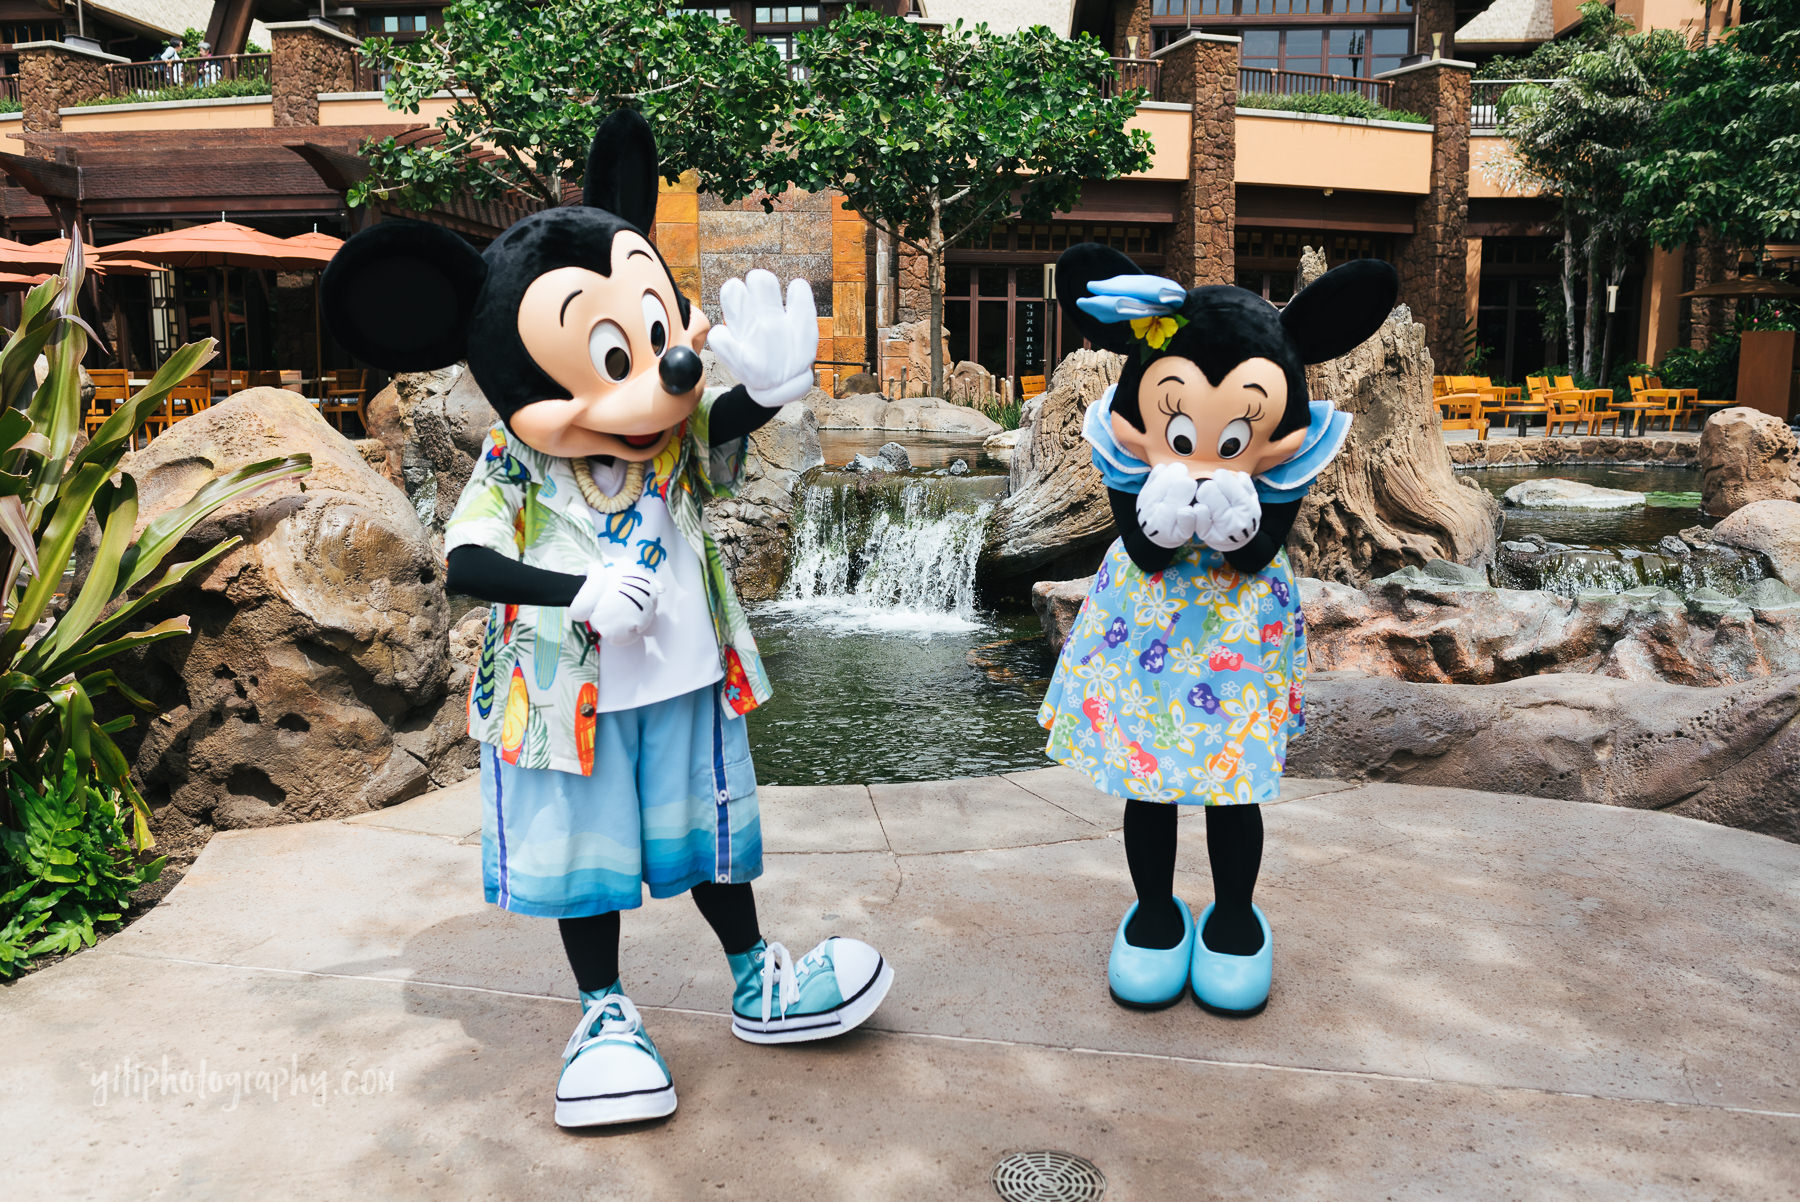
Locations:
{"points": [[934, 267], [1568, 287], [1615, 276], [1590, 329]]}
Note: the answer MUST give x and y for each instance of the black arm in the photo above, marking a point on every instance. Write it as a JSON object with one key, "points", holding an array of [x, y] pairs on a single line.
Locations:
{"points": [[735, 415], [1259, 552], [1149, 557], [490, 576]]}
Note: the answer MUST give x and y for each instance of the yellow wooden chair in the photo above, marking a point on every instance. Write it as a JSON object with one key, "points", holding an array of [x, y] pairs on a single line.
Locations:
{"points": [[342, 396]]}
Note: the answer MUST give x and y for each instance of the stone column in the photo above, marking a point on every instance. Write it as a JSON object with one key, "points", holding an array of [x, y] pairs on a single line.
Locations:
{"points": [[1201, 70], [849, 291], [1432, 17], [54, 76], [1131, 19], [676, 232], [1433, 263], [306, 58]]}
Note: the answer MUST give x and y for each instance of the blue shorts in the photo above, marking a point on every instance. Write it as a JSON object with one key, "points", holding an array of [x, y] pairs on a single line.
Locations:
{"points": [[671, 803]]}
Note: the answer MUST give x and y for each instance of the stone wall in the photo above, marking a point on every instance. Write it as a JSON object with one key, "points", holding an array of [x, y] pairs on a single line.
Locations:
{"points": [[53, 77], [1528, 452], [1131, 20], [1433, 263], [793, 241], [1202, 70], [306, 58]]}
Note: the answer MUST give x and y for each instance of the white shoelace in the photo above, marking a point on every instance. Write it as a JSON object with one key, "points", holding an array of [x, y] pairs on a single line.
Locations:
{"points": [[627, 1022], [778, 963]]}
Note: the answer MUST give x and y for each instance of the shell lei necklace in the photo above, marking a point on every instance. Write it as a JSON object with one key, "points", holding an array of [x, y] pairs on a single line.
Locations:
{"points": [[599, 502]]}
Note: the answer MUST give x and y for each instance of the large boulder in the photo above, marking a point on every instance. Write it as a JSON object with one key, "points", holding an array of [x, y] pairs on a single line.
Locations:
{"points": [[753, 528], [1728, 755], [1057, 520], [969, 384], [433, 424], [1390, 498], [1747, 456], [1770, 528], [318, 681], [1058, 603], [1553, 492], [923, 415]]}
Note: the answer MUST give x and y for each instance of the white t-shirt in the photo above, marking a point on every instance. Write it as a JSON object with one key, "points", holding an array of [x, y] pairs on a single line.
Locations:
{"points": [[679, 652]]}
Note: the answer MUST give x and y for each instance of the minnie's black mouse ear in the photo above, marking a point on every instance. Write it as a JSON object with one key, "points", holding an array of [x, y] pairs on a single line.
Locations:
{"points": [[1080, 266], [1334, 314], [400, 295], [621, 169]]}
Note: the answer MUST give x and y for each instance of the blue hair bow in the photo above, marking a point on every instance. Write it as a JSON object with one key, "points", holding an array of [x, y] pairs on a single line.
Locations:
{"points": [[1129, 297]]}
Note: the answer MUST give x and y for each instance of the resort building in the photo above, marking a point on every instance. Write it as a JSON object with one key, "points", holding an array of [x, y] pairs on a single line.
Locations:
{"points": [[106, 134]]}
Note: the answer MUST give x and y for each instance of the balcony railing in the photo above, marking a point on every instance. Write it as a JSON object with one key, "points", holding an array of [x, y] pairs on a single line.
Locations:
{"points": [[1305, 83], [9, 88], [1484, 100], [1144, 73], [157, 75]]}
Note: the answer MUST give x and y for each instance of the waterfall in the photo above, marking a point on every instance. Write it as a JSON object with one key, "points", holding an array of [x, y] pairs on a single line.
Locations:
{"points": [[892, 553]]}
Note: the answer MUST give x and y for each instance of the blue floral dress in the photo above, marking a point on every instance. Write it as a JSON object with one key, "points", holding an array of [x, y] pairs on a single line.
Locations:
{"points": [[1183, 686]]}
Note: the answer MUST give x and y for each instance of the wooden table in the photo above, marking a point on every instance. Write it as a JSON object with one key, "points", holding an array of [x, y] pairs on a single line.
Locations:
{"points": [[1524, 412], [1637, 409]]}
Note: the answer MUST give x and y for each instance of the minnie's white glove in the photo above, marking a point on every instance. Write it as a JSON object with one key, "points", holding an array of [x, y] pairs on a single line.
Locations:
{"points": [[1231, 514], [1165, 506], [769, 348], [617, 602]]}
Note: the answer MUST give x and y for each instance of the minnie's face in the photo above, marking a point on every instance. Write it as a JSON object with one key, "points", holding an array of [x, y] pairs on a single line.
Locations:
{"points": [[603, 339], [1206, 428]]}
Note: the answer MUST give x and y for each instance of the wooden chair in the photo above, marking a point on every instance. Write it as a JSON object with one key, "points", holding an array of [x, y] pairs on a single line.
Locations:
{"points": [[1652, 402], [1565, 409], [343, 396], [1030, 386], [1687, 400], [224, 383], [1464, 412]]}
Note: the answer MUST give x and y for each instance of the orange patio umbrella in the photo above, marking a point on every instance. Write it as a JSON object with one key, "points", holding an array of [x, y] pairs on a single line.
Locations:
{"points": [[58, 250], [222, 244], [12, 281]]}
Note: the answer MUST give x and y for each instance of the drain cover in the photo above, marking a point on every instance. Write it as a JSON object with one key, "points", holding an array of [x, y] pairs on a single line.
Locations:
{"points": [[1048, 1177]]}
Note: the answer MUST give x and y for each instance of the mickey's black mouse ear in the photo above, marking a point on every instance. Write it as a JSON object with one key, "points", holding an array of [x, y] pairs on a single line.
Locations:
{"points": [[1334, 314], [400, 295], [1080, 266], [621, 169]]}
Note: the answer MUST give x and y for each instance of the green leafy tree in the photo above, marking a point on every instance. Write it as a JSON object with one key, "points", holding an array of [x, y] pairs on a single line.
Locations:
{"points": [[934, 135], [534, 80], [1729, 163], [1574, 139]]}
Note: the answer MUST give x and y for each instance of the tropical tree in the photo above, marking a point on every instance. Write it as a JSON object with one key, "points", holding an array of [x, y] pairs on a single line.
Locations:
{"points": [[934, 135], [533, 81], [1728, 163]]}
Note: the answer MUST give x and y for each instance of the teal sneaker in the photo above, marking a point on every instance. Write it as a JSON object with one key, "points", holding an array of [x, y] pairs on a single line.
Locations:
{"points": [[832, 989], [611, 1071], [1235, 986]]}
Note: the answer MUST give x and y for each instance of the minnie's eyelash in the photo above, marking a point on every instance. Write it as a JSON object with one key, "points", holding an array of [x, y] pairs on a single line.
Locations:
{"points": [[1168, 409], [1254, 413]]}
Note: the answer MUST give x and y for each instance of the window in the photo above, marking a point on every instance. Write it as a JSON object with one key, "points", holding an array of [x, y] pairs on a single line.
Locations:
{"points": [[792, 14], [1268, 260], [390, 24], [722, 13], [1283, 8], [1328, 51]]}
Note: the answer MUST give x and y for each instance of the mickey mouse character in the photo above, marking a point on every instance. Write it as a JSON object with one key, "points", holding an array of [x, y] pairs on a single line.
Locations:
{"points": [[617, 665], [1181, 681]]}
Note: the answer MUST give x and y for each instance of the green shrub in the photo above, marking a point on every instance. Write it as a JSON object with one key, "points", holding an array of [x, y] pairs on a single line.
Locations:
{"points": [[1713, 370], [8, 105], [1330, 104], [211, 91], [66, 867]]}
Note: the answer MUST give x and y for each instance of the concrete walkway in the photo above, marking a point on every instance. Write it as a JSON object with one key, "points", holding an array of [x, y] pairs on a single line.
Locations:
{"points": [[1477, 996]]}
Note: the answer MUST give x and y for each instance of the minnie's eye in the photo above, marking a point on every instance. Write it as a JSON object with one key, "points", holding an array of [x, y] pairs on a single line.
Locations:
{"points": [[1233, 439], [1180, 434], [656, 322], [609, 351]]}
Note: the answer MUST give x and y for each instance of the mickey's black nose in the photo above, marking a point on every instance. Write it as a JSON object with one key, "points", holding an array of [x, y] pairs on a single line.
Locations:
{"points": [[681, 369]]}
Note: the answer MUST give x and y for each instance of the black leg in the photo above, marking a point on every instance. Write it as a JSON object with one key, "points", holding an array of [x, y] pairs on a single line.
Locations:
{"points": [[1234, 842], [1150, 854], [592, 944], [730, 910]]}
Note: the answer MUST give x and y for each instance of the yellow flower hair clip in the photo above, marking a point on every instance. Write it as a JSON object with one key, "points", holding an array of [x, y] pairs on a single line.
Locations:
{"points": [[1153, 333]]}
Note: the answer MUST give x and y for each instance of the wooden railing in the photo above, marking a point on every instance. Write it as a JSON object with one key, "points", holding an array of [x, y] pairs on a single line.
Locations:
{"points": [[1144, 73], [1306, 83], [142, 79], [9, 88], [1484, 100]]}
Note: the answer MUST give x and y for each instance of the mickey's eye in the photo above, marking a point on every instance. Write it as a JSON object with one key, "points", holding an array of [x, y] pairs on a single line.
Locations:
{"points": [[609, 351], [1180, 434], [1233, 439], [656, 322]]}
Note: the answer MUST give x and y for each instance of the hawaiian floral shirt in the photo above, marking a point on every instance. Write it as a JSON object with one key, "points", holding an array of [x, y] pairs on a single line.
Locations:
{"points": [[535, 689]]}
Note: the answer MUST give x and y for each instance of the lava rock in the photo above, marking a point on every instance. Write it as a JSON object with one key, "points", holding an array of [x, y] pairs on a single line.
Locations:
{"points": [[895, 456], [1769, 528], [926, 415], [1747, 456], [959, 467], [434, 425], [1553, 492], [1729, 755]]}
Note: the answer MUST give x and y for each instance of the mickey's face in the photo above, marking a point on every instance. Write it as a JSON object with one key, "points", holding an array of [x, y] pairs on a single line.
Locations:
{"points": [[605, 339], [1207, 428]]}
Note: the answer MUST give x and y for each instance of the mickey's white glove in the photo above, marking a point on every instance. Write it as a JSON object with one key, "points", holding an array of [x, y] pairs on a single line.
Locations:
{"points": [[769, 348], [1165, 506], [617, 602], [1231, 512]]}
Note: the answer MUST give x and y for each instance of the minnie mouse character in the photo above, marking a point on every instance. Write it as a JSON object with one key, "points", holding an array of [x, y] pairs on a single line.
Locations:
{"points": [[1206, 445], [617, 665]]}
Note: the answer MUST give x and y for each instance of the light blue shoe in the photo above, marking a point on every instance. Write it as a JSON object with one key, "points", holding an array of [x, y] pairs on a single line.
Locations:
{"points": [[1237, 986], [832, 989], [612, 1072], [1150, 978]]}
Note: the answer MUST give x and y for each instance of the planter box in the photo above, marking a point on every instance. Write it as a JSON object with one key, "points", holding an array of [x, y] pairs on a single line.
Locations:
{"points": [[1766, 371]]}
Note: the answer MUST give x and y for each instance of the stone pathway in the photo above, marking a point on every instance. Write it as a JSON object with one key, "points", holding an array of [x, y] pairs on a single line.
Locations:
{"points": [[1477, 996]]}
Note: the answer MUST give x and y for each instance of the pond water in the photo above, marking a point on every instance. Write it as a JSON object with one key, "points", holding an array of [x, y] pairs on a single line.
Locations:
{"points": [[1675, 505], [925, 450], [884, 664]]}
